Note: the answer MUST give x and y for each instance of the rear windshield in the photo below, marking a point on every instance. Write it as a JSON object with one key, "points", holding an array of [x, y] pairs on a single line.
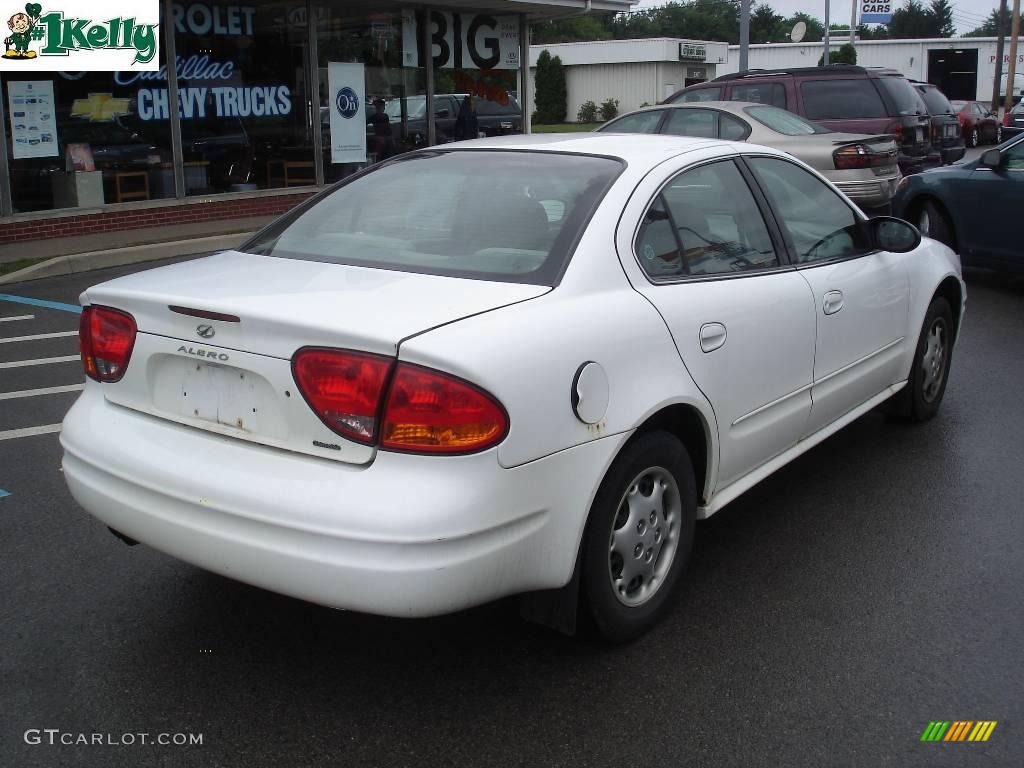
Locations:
{"points": [[786, 123], [698, 94], [937, 103], [903, 97], [511, 216], [837, 99]]}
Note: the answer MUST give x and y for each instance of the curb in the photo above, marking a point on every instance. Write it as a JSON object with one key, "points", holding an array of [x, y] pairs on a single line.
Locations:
{"points": [[83, 262]]}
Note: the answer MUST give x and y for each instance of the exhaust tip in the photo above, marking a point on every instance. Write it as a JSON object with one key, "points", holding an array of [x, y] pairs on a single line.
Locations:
{"points": [[126, 539]]}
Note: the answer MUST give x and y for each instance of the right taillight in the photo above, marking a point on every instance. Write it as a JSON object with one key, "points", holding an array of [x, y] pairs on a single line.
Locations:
{"points": [[375, 400], [859, 156], [106, 337]]}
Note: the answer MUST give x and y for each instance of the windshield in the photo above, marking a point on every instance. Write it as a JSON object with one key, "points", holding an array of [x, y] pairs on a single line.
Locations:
{"points": [[937, 103], [415, 106], [511, 216], [904, 99], [786, 123]]}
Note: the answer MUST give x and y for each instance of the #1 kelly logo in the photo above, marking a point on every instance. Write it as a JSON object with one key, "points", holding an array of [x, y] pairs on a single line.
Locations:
{"points": [[101, 39]]}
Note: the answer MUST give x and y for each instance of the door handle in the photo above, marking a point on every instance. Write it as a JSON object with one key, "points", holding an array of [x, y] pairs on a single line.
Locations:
{"points": [[833, 302], [712, 336]]}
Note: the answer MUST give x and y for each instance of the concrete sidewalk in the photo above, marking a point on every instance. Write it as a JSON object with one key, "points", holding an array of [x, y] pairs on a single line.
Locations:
{"points": [[69, 255]]}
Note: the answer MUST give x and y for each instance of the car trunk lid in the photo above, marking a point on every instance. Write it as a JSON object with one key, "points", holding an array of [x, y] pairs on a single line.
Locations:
{"points": [[233, 376]]}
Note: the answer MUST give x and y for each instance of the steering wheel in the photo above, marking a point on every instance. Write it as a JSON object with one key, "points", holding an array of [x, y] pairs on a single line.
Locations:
{"points": [[811, 254]]}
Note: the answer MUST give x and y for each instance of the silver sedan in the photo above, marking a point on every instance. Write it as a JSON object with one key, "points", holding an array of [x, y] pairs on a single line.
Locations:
{"points": [[862, 166]]}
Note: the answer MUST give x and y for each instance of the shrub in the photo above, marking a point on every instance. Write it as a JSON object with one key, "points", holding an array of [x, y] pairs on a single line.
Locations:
{"points": [[587, 113], [550, 85], [609, 109]]}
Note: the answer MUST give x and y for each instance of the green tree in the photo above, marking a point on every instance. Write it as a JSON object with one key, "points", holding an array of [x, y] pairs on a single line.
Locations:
{"points": [[571, 30], [846, 54], [550, 86], [942, 17], [991, 26], [913, 21], [815, 29], [766, 26]]}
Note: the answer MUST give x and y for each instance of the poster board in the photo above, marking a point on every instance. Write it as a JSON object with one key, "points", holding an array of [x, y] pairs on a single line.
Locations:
{"points": [[33, 124], [347, 86]]}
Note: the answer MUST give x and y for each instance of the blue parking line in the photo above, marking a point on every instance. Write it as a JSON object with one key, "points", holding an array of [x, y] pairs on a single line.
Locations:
{"points": [[41, 303], [4, 493]]}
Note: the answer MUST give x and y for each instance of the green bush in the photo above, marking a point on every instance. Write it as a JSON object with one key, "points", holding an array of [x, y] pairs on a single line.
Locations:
{"points": [[846, 54], [609, 109], [550, 85], [587, 112]]}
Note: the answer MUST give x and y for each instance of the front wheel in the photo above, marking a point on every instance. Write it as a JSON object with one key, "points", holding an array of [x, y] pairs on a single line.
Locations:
{"points": [[974, 139], [920, 399], [638, 536]]}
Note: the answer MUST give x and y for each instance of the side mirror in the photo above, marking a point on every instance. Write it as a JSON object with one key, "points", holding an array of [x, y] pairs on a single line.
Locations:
{"points": [[992, 158], [894, 235]]}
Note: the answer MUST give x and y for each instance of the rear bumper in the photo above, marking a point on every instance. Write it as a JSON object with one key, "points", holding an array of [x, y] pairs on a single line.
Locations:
{"points": [[952, 154], [916, 163], [405, 536], [870, 193]]}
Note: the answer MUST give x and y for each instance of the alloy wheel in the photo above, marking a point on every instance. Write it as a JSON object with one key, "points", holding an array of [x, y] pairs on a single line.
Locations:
{"points": [[645, 536], [933, 362]]}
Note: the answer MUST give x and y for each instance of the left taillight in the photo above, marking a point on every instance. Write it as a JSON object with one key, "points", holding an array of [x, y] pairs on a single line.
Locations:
{"points": [[860, 156], [106, 337]]}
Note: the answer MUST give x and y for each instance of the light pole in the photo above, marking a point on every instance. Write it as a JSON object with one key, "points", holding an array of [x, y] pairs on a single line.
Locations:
{"points": [[824, 58], [744, 34]]}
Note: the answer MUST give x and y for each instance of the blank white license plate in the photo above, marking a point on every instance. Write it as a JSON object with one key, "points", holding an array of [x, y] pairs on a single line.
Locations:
{"points": [[222, 394], [951, 131]]}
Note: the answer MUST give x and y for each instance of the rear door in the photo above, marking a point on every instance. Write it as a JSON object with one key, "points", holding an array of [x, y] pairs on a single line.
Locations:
{"points": [[861, 296], [742, 320]]}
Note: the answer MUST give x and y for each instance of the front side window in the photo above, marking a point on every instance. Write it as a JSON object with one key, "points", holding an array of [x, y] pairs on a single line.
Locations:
{"points": [[704, 222], [760, 93], [1014, 157], [699, 94], [511, 216], [821, 227], [837, 99], [640, 122]]}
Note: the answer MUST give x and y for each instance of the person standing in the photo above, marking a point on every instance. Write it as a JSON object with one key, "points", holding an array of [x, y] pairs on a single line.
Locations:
{"points": [[467, 126]]}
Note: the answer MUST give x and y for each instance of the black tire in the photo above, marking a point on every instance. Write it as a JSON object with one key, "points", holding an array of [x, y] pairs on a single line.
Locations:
{"points": [[654, 456], [999, 135], [974, 139], [934, 223], [921, 398]]}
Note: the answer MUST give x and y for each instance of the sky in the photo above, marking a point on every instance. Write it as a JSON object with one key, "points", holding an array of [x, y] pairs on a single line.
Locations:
{"points": [[967, 14]]}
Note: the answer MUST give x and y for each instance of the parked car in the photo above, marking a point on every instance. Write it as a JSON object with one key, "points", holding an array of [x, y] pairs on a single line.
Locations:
{"points": [[1014, 119], [946, 132], [863, 167], [978, 123], [493, 118], [601, 339], [844, 98], [972, 207]]}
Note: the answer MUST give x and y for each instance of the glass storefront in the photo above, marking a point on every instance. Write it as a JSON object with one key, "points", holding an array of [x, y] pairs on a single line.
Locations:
{"points": [[268, 98]]}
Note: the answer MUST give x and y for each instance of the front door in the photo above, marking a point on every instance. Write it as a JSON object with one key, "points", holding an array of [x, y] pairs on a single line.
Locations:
{"points": [[992, 200], [861, 295], [742, 321]]}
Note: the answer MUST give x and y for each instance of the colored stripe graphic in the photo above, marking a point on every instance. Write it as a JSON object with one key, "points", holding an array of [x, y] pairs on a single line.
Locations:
{"points": [[958, 731], [41, 303], [982, 730], [935, 730]]}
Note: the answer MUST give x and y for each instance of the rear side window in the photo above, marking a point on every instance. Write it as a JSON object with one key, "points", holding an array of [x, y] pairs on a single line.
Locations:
{"points": [[488, 107], [699, 94], [902, 96], [760, 93], [702, 123], [640, 122], [836, 99], [937, 103]]}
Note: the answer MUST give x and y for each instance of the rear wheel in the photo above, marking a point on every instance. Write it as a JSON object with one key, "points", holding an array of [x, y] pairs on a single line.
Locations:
{"points": [[974, 139], [933, 222], [999, 134], [638, 536], [920, 399]]}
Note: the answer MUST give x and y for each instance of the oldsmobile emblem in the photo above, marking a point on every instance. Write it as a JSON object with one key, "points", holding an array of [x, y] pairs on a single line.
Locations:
{"points": [[205, 331]]}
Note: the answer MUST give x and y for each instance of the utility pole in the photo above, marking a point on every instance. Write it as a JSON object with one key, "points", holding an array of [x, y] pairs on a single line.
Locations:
{"points": [[997, 96], [744, 34], [853, 21], [1011, 68], [824, 58]]}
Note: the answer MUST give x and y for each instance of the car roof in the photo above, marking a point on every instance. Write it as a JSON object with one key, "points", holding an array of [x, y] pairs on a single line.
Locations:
{"points": [[832, 69], [632, 147], [734, 106]]}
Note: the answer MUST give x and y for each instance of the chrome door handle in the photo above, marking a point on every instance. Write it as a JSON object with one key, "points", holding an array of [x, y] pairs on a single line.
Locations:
{"points": [[712, 336], [833, 302]]}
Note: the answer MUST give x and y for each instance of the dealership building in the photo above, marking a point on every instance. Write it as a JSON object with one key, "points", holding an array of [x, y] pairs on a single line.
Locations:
{"points": [[637, 72], [273, 101]]}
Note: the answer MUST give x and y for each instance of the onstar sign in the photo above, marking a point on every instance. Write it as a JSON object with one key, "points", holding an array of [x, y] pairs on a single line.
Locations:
{"points": [[875, 13]]}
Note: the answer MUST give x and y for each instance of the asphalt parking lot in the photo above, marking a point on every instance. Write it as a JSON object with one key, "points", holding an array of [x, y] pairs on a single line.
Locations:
{"points": [[872, 586]]}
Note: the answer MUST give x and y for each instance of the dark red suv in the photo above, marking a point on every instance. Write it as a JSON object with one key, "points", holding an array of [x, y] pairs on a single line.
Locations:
{"points": [[843, 97]]}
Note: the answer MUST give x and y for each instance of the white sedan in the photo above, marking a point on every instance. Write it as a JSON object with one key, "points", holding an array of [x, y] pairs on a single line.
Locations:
{"points": [[524, 365]]}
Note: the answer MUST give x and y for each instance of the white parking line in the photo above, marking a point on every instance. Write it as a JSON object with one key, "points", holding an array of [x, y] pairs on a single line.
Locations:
{"points": [[38, 336], [39, 361], [46, 429], [41, 391], [17, 317]]}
